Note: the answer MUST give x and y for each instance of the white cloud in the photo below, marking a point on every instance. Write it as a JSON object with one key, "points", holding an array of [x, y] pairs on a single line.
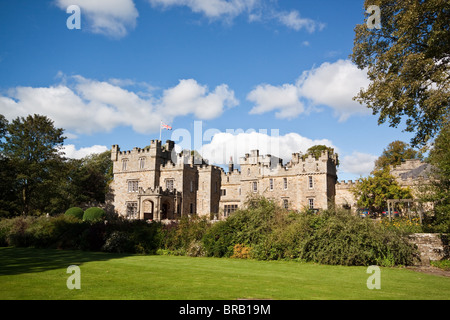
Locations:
{"points": [[293, 20], [331, 84], [108, 17], [70, 151], [225, 145], [85, 106], [212, 9], [285, 99], [190, 97], [359, 164], [257, 10], [335, 85]]}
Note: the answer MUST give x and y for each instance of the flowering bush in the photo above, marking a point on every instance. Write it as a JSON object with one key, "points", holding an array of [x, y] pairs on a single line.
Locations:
{"points": [[403, 225], [241, 251]]}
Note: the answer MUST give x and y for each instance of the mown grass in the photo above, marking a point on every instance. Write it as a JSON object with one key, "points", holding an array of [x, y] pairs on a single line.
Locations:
{"points": [[27, 273]]}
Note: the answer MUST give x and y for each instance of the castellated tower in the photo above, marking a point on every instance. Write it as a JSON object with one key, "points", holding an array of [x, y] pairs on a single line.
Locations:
{"points": [[156, 183]]}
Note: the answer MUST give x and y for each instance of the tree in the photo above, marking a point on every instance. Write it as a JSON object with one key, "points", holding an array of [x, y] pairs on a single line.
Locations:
{"points": [[317, 150], [408, 62], [32, 146], [395, 153], [92, 177], [373, 192], [8, 199], [439, 190]]}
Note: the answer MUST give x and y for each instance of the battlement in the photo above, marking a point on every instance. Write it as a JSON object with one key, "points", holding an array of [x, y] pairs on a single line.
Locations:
{"points": [[407, 165], [256, 159], [345, 185]]}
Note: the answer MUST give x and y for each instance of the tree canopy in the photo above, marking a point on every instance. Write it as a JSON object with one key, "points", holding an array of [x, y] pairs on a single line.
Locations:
{"points": [[395, 153], [317, 150], [32, 148], [439, 190], [35, 178], [408, 64], [374, 191]]}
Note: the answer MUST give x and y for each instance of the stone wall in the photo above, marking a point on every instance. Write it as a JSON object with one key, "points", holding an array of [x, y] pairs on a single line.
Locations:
{"points": [[431, 246]]}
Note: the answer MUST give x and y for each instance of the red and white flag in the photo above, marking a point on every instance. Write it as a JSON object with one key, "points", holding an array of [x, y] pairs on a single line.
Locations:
{"points": [[165, 126]]}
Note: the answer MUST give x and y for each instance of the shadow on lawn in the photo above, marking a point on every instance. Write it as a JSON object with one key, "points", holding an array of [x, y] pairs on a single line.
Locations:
{"points": [[26, 260]]}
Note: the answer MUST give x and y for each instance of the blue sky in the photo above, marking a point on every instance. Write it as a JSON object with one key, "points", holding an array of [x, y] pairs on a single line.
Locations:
{"points": [[280, 68]]}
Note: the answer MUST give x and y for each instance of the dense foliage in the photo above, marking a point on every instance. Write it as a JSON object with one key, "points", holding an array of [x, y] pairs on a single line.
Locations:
{"points": [[439, 191], [373, 191], [262, 231], [395, 153], [36, 178], [76, 212], [408, 63], [331, 237], [93, 214]]}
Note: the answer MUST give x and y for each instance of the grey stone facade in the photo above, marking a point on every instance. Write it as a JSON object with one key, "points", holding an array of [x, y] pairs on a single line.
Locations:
{"points": [[158, 184]]}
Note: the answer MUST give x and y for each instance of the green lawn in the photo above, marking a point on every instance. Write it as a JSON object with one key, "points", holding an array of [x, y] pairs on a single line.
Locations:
{"points": [[27, 273]]}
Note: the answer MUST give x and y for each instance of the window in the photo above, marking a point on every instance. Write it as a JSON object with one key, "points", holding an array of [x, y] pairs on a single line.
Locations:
{"points": [[223, 192], [271, 184], [310, 182], [191, 208], [192, 186], [132, 212], [311, 203], [285, 183], [248, 171], [141, 163], [240, 191], [229, 209], [255, 186], [169, 184], [124, 164], [133, 186], [286, 203]]}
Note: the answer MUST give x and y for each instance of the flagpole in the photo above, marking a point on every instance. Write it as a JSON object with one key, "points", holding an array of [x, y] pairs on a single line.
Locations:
{"points": [[160, 125]]}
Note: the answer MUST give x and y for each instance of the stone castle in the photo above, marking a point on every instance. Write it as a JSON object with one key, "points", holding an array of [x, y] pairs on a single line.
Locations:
{"points": [[156, 183]]}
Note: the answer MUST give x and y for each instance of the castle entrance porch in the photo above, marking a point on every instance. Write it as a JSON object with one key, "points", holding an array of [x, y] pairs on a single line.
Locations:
{"points": [[148, 207]]}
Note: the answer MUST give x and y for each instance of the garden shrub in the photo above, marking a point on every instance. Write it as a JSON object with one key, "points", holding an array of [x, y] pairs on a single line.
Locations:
{"points": [[93, 214], [93, 236], [75, 212], [16, 233], [241, 251], [331, 237], [118, 242], [185, 235]]}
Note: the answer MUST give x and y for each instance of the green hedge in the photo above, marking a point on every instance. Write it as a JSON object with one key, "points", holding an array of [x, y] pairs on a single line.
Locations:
{"points": [[75, 212], [68, 232], [264, 230], [332, 237], [93, 214]]}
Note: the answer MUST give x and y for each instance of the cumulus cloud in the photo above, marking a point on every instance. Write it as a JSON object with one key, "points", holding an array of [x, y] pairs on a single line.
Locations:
{"points": [[358, 164], [331, 84], [257, 10], [285, 99], [84, 105], [293, 20], [212, 9], [70, 151], [224, 145], [108, 17]]}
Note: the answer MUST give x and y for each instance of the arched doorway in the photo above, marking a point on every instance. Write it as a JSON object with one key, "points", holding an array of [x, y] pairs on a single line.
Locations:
{"points": [[148, 208], [165, 210]]}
